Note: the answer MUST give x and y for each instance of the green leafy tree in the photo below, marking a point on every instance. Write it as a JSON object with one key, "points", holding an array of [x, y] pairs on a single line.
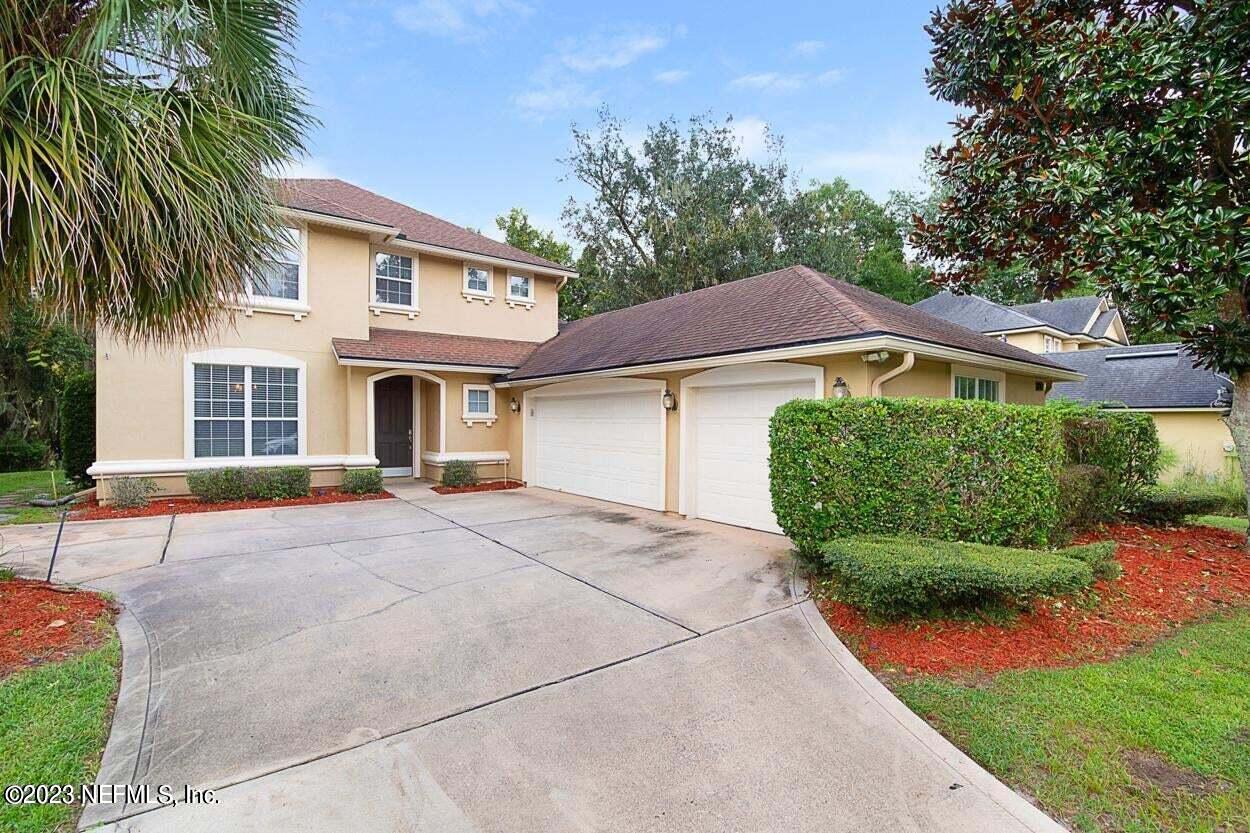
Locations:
{"points": [[520, 232], [36, 358], [1105, 140], [134, 140]]}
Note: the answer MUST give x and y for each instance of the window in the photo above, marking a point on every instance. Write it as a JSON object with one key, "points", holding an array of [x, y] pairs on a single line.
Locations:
{"points": [[519, 287], [1050, 344], [280, 276], [392, 279], [477, 281], [968, 387], [245, 410], [479, 404]]}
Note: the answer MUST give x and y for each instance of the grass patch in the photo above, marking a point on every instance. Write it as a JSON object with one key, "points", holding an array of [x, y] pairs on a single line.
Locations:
{"points": [[1152, 742], [21, 486], [1220, 522], [54, 721]]}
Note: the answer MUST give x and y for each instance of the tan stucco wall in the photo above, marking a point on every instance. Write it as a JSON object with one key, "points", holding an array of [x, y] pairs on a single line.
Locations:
{"points": [[1198, 440]]}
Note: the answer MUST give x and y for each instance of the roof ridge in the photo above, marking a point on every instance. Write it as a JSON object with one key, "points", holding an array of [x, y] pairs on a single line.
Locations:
{"points": [[825, 284]]}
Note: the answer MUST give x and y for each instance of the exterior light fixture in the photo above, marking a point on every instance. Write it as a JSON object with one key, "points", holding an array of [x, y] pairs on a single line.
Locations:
{"points": [[841, 390], [514, 406], [669, 400]]}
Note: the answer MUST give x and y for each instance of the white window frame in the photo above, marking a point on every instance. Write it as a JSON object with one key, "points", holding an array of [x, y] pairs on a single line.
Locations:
{"points": [[967, 372], [517, 300], [378, 307], [471, 419], [247, 357], [471, 294], [297, 308]]}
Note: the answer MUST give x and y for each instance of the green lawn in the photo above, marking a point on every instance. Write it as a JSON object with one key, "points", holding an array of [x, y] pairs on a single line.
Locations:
{"points": [[54, 721], [1221, 521], [25, 485], [1159, 741]]}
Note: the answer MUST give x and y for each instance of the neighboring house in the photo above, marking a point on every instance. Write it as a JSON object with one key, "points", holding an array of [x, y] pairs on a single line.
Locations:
{"points": [[389, 336], [1083, 323], [1188, 403]]}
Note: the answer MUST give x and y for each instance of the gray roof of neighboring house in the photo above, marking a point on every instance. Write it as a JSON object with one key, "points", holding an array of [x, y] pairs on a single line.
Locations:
{"points": [[1155, 376], [788, 307], [976, 313], [337, 198], [1067, 314], [1103, 324]]}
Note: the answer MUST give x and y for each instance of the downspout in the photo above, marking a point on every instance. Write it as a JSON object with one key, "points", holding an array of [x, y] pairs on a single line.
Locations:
{"points": [[909, 360]]}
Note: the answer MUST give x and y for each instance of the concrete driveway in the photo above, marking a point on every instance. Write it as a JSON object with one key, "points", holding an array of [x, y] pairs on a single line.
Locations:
{"points": [[507, 661]]}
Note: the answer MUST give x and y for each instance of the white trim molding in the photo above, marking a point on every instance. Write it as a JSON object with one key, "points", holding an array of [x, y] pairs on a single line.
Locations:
{"points": [[444, 457], [758, 373], [476, 294], [130, 468], [250, 303], [437, 368], [472, 418], [248, 358]]}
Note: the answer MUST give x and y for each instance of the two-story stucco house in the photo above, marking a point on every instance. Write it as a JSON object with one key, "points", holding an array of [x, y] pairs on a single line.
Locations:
{"points": [[389, 337]]}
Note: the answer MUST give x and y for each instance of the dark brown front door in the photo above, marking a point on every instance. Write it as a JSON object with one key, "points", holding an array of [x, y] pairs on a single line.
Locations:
{"points": [[392, 413]]}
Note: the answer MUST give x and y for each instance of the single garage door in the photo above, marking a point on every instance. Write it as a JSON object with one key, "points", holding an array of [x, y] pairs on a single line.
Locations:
{"points": [[606, 444], [730, 454]]}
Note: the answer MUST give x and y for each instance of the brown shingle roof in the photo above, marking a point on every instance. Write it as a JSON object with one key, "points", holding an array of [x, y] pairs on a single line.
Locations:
{"points": [[791, 306], [434, 348], [342, 199]]}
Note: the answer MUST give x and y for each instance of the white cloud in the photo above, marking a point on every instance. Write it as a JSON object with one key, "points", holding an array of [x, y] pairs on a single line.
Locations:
{"points": [[752, 135], [672, 76], [808, 48], [604, 50], [779, 82], [893, 161], [457, 19], [554, 96], [310, 167]]}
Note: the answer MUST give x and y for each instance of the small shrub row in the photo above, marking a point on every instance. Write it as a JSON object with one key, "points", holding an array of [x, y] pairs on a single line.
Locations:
{"points": [[19, 454], [229, 484], [362, 481], [894, 576], [459, 473], [1167, 507]]}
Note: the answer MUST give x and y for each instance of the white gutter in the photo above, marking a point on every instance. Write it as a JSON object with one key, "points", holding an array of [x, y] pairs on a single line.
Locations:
{"points": [[855, 345], [909, 361]]}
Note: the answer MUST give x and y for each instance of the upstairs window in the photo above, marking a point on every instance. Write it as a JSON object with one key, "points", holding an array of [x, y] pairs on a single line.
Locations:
{"points": [[279, 277], [392, 279], [477, 280]]}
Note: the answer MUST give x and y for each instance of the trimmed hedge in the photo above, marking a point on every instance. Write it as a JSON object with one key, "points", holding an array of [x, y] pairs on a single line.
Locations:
{"points": [[1085, 503], [938, 468], [362, 481], [232, 483], [1170, 508], [77, 427], [893, 576], [1100, 556], [459, 473], [1125, 445], [18, 454]]}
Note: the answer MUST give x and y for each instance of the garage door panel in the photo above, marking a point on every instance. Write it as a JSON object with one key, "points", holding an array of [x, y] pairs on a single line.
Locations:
{"points": [[731, 451], [605, 445]]}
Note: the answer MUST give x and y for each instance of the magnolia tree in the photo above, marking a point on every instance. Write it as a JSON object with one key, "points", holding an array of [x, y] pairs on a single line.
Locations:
{"points": [[1105, 141]]}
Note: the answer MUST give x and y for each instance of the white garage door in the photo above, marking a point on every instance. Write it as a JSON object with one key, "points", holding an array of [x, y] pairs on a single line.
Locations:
{"points": [[606, 444], [730, 455]]}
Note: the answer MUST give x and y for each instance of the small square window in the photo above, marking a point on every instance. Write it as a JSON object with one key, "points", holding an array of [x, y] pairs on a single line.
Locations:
{"points": [[477, 279], [519, 287], [478, 401]]}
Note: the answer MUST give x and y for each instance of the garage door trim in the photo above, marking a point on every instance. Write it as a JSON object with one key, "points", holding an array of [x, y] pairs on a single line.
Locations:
{"points": [[590, 387], [758, 373]]}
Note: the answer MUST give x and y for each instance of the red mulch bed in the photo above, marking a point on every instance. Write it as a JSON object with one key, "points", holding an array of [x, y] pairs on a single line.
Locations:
{"points": [[41, 622], [93, 511], [496, 486], [1169, 577]]}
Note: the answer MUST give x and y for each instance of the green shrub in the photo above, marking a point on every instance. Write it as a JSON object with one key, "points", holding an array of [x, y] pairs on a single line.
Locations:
{"points": [[1100, 556], [1082, 490], [950, 469], [1170, 508], [131, 492], [459, 473], [1125, 445], [1228, 490], [218, 485], [18, 454], [77, 427], [362, 481], [895, 576], [277, 483]]}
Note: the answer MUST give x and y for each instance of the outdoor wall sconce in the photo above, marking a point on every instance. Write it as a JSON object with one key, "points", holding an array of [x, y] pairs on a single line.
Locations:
{"points": [[668, 400], [841, 390], [514, 406]]}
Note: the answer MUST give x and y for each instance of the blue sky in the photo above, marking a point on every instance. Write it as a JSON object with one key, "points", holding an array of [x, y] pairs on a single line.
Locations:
{"points": [[462, 108]]}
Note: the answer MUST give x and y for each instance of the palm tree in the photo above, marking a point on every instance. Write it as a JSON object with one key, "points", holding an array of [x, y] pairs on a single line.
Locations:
{"points": [[134, 140]]}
